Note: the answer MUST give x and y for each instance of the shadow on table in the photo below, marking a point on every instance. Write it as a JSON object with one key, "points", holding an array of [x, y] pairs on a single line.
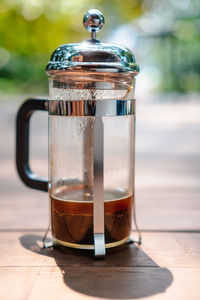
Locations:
{"points": [[126, 272]]}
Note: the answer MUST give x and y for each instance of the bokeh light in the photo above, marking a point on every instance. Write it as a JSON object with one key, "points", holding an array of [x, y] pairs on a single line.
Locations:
{"points": [[164, 35]]}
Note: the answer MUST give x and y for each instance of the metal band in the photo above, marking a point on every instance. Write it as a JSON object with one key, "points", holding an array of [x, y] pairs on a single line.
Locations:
{"points": [[92, 107], [99, 245], [98, 194], [139, 235]]}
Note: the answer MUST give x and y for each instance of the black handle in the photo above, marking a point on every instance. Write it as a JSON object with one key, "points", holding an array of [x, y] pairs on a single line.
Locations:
{"points": [[22, 143]]}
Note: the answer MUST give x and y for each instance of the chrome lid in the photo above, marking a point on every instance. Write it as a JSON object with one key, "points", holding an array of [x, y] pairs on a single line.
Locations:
{"points": [[92, 55]]}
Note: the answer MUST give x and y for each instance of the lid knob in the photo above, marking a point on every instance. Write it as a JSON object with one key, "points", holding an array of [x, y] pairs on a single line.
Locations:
{"points": [[93, 21]]}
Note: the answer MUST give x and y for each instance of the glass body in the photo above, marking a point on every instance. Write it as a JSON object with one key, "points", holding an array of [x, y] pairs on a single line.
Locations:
{"points": [[72, 154]]}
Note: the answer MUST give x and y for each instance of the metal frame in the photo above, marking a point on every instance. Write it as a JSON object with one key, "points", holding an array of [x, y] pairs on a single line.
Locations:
{"points": [[96, 109], [92, 107]]}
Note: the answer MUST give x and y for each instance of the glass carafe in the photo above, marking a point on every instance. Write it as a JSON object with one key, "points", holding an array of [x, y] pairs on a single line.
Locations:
{"points": [[91, 111]]}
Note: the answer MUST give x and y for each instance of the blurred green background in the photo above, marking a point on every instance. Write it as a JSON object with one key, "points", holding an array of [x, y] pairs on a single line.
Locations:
{"points": [[164, 35]]}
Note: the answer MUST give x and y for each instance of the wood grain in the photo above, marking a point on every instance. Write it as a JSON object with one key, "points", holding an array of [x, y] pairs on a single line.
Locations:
{"points": [[35, 283], [158, 249], [165, 267]]}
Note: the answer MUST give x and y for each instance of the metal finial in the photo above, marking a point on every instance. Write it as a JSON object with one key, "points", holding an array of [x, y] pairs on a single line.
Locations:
{"points": [[93, 21]]}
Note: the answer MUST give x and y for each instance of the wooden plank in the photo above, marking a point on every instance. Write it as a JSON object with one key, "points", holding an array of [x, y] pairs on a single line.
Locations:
{"points": [[108, 283], [167, 266], [24, 249], [168, 208], [172, 249], [25, 209], [114, 283], [157, 250], [117, 283], [16, 283]]}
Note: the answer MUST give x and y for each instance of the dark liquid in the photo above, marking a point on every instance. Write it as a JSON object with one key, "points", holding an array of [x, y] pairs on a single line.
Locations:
{"points": [[72, 221]]}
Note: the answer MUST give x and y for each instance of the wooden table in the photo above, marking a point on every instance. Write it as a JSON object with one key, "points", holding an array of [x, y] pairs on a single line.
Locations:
{"points": [[166, 266]]}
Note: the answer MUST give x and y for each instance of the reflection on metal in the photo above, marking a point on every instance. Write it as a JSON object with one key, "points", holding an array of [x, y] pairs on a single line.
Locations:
{"points": [[93, 21], [99, 245], [98, 193], [94, 55], [139, 240], [139, 234], [92, 107]]}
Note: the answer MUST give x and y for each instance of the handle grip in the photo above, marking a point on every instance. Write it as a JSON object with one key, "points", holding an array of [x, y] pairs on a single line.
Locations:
{"points": [[22, 143]]}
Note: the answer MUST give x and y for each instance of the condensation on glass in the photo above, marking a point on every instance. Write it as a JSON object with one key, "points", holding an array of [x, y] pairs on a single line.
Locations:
{"points": [[72, 156]]}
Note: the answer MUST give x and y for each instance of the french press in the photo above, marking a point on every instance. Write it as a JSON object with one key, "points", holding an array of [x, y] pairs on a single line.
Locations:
{"points": [[91, 109]]}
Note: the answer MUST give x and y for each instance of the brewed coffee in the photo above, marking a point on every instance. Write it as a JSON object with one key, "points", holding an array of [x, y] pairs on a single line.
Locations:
{"points": [[72, 221]]}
